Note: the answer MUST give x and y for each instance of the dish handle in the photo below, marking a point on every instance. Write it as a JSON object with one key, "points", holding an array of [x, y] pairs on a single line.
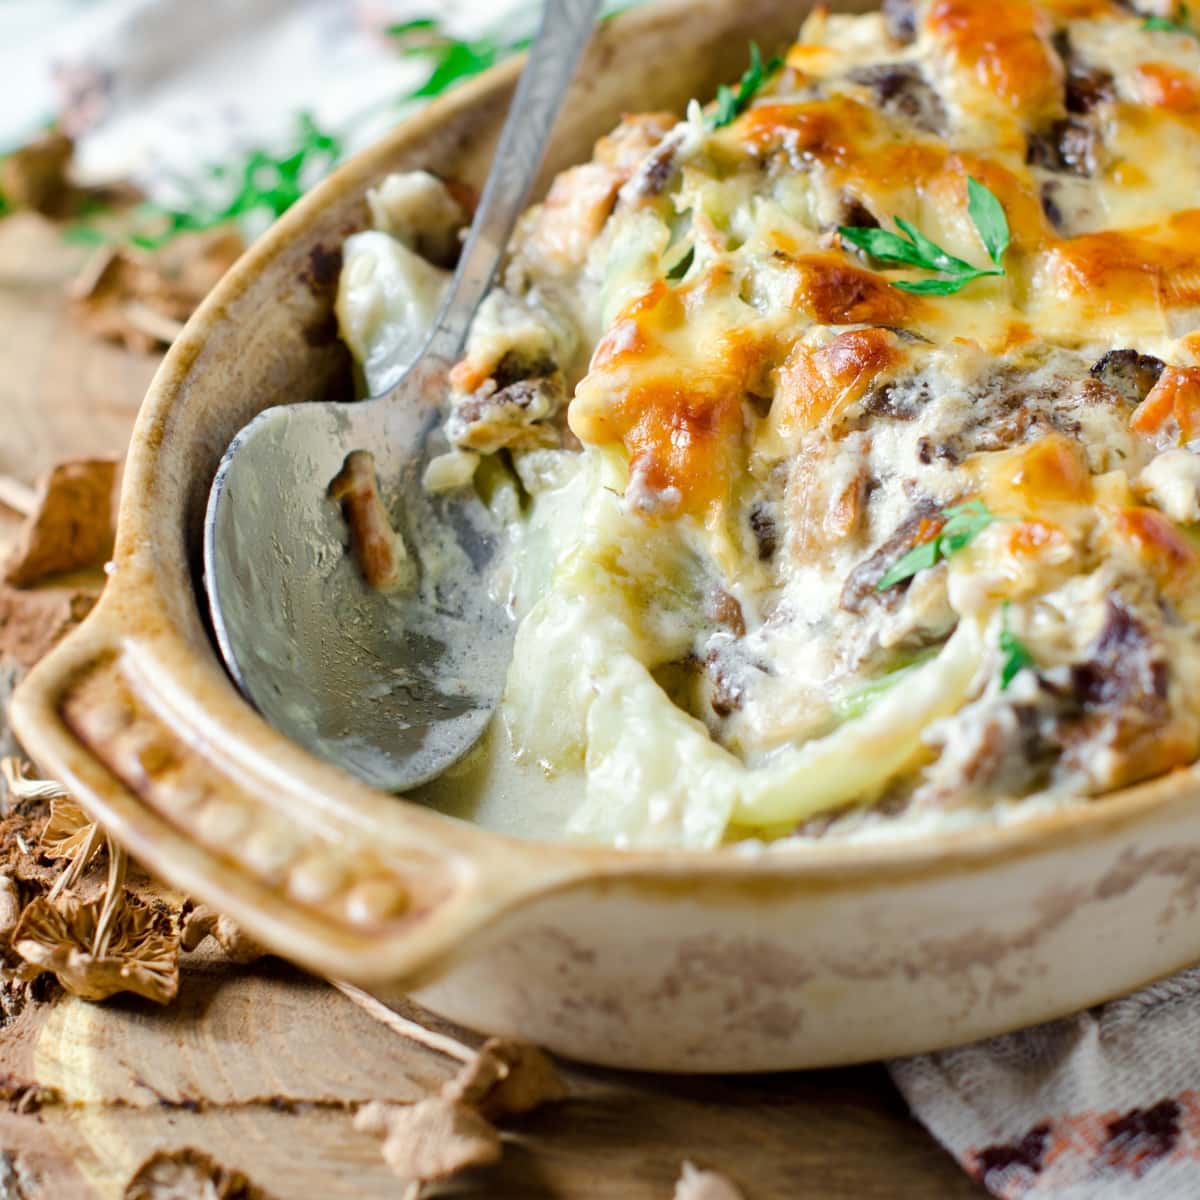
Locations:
{"points": [[351, 883]]}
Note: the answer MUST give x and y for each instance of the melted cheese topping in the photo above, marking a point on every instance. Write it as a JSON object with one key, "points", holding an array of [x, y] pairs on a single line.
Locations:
{"points": [[817, 554]]}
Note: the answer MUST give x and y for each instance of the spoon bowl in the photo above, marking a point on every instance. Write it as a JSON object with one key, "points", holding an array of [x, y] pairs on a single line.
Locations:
{"points": [[393, 684]]}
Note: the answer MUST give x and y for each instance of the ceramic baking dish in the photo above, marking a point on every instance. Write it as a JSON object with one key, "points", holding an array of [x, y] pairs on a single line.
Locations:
{"points": [[805, 956]]}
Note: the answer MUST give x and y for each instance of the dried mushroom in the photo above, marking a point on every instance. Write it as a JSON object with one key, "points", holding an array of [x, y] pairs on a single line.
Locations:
{"points": [[68, 830], [35, 176], [98, 948], [24, 810], [506, 1078], [71, 527], [33, 622], [142, 298], [22, 786], [695, 1184], [432, 1139], [378, 550], [198, 922], [189, 1174]]}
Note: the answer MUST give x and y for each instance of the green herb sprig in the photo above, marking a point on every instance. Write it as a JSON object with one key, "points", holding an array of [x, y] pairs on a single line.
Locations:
{"points": [[731, 104], [963, 522], [683, 265], [1016, 653], [451, 59], [261, 185], [1167, 25], [914, 249]]}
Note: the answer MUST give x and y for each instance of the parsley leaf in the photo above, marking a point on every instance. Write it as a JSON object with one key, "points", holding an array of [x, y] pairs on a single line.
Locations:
{"points": [[451, 59], [1167, 25], [261, 187], [264, 185], [684, 265], [1016, 654], [939, 287], [963, 522], [987, 215], [731, 104], [914, 249]]}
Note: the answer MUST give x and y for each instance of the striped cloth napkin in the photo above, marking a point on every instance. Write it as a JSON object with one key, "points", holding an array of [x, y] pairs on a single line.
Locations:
{"points": [[1100, 1106], [1104, 1105]]}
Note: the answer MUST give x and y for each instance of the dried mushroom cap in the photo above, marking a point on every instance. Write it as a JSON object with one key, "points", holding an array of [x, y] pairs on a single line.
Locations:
{"points": [[432, 1139], [142, 299], [141, 955], [505, 1078], [33, 622], [35, 176], [695, 1184], [200, 922], [189, 1174], [71, 528], [68, 831]]}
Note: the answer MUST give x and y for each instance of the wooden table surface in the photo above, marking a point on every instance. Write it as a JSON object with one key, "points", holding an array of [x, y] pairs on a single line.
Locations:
{"points": [[263, 1067]]}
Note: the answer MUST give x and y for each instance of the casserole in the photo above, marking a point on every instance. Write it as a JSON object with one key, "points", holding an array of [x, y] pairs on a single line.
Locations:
{"points": [[844, 430], [729, 960]]}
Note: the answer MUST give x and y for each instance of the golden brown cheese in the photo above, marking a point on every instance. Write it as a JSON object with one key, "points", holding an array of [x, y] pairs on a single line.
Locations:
{"points": [[833, 541], [1005, 45]]}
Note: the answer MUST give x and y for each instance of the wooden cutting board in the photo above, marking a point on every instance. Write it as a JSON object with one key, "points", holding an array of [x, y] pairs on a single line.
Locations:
{"points": [[263, 1067]]}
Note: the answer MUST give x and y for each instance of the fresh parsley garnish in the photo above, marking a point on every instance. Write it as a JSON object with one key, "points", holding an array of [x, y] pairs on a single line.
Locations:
{"points": [[1167, 25], [914, 249], [987, 215], [451, 59], [961, 523], [731, 104], [1016, 653], [260, 187], [684, 265]]}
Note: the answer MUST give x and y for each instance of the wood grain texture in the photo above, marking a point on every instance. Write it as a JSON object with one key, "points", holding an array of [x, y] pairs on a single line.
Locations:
{"points": [[262, 1068], [63, 393]]}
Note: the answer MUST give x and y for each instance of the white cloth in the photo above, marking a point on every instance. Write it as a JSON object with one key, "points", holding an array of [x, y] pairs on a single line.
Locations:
{"points": [[1104, 1105], [158, 91]]}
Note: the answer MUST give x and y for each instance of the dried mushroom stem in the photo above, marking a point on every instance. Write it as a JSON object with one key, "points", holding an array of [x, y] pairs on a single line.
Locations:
{"points": [[151, 322], [70, 877], [114, 897], [403, 1026], [20, 785], [377, 548]]}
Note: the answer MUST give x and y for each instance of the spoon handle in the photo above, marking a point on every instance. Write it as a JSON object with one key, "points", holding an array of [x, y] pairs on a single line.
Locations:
{"points": [[566, 28]]}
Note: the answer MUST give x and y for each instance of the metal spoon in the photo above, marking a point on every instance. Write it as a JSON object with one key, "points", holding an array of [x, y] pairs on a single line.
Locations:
{"points": [[392, 686]]}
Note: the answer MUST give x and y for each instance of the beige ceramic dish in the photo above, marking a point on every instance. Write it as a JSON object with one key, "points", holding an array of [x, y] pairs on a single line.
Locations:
{"points": [[676, 961]]}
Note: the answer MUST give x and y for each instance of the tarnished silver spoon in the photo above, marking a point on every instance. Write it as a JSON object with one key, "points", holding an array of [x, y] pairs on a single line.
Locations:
{"points": [[393, 685]]}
